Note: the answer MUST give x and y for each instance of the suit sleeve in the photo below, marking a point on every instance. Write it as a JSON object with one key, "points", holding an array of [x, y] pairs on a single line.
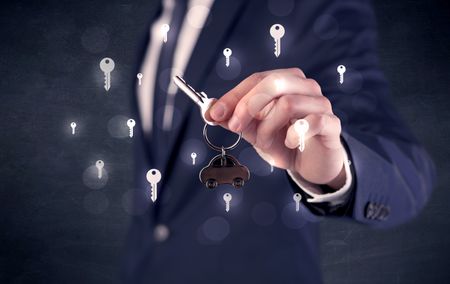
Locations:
{"points": [[392, 173]]}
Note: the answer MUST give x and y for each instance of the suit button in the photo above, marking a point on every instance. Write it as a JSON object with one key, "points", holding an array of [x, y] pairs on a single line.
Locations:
{"points": [[370, 210], [161, 233], [385, 210]]}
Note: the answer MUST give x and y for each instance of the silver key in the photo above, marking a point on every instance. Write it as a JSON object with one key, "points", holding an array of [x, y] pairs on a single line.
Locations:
{"points": [[139, 77], [227, 53], [164, 30], [277, 33], [131, 123], [193, 156], [153, 177], [301, 126], [73, 125], [201, 99], [107, 66], [341, 70], [227, 198], [99, 165], [297, 197]]}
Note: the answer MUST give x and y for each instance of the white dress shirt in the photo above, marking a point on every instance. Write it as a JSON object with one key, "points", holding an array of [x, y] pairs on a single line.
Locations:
{"points": [[198, 11]]}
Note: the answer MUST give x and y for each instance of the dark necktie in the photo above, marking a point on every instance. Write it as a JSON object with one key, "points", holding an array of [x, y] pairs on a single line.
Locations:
{"points": [[160, 138]]}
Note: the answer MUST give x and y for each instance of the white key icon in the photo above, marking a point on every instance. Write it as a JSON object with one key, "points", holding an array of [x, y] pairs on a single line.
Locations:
{"points": [[341, 70], [153, 177], [131, 123], [164, 30], [107, 66], [193, 156], [139, 77], [227, 198], [99, 165], [297, 197], [227, 53], [301, 126], [277, 32], [73, 125]]}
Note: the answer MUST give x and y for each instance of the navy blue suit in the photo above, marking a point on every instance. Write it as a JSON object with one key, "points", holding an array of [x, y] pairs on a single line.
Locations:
{"points": [[262, 239]]}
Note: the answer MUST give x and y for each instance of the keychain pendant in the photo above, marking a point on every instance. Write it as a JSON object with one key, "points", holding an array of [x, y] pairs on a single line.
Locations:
{"points": [[223, 168]]}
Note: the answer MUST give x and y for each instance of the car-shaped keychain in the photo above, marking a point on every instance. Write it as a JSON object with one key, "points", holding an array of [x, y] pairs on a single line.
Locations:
{"points": [[224, 169]]}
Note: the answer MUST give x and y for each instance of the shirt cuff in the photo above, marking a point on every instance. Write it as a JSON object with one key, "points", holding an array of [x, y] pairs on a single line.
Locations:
{"points": [[317, 194]]}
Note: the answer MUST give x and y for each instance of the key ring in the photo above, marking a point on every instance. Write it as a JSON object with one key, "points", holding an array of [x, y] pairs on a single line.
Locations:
{"points": [[220, 149]]}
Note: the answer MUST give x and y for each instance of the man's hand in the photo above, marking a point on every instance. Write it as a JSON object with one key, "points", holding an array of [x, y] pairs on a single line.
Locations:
{"points": [[264, 106]]}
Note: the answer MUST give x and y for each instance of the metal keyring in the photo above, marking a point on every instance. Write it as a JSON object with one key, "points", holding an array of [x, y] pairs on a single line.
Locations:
{"points": [[220, 149]]}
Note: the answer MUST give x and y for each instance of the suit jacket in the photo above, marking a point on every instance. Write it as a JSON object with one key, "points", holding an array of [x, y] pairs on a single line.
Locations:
{"points": [[263, 239]]}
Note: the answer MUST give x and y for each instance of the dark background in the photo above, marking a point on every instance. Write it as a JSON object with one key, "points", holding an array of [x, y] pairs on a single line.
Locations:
{"points": [[55, 229]]}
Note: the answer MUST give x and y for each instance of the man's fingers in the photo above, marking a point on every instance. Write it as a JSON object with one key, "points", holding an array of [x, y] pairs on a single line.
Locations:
{"points": [[324, 125], [270, 88], [224, 107], [286, 109]]}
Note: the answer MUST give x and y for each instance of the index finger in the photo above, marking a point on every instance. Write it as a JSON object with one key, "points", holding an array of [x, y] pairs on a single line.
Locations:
{"points": [[224, 107]]}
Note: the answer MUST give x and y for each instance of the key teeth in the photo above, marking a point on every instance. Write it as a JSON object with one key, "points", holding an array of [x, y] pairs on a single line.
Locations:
{"points": [[277, 51], [153, 193]]}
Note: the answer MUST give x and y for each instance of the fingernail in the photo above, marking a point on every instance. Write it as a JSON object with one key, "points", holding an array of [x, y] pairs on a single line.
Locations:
{"points": [[234, 124], [218, 111]]}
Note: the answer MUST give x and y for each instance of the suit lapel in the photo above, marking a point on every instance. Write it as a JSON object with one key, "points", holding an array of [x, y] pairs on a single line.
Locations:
{"points": [[145, 43]]}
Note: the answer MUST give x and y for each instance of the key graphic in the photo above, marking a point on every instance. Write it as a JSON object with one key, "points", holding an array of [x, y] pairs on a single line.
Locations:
{"points": [[277, 32], [341, 70], [297, 197], [227, 198], [164, 30], [99, 165], [193, 156], [153, 177], [131, 123], [301, 126], [73, 125], [227, 53], [107, 66], [139, 77]]}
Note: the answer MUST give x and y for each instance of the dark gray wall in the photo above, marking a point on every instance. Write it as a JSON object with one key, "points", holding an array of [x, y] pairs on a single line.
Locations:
{"points": [[55, 229]]}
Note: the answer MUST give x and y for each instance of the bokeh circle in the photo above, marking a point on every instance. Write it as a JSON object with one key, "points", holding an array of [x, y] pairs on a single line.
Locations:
{"points": [[216, 229], [231, 72], [91, 180], [118, 128], [193, 146]]}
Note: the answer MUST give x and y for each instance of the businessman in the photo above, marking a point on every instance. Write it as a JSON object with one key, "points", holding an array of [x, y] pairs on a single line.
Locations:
{"points": [[360, 162]]}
